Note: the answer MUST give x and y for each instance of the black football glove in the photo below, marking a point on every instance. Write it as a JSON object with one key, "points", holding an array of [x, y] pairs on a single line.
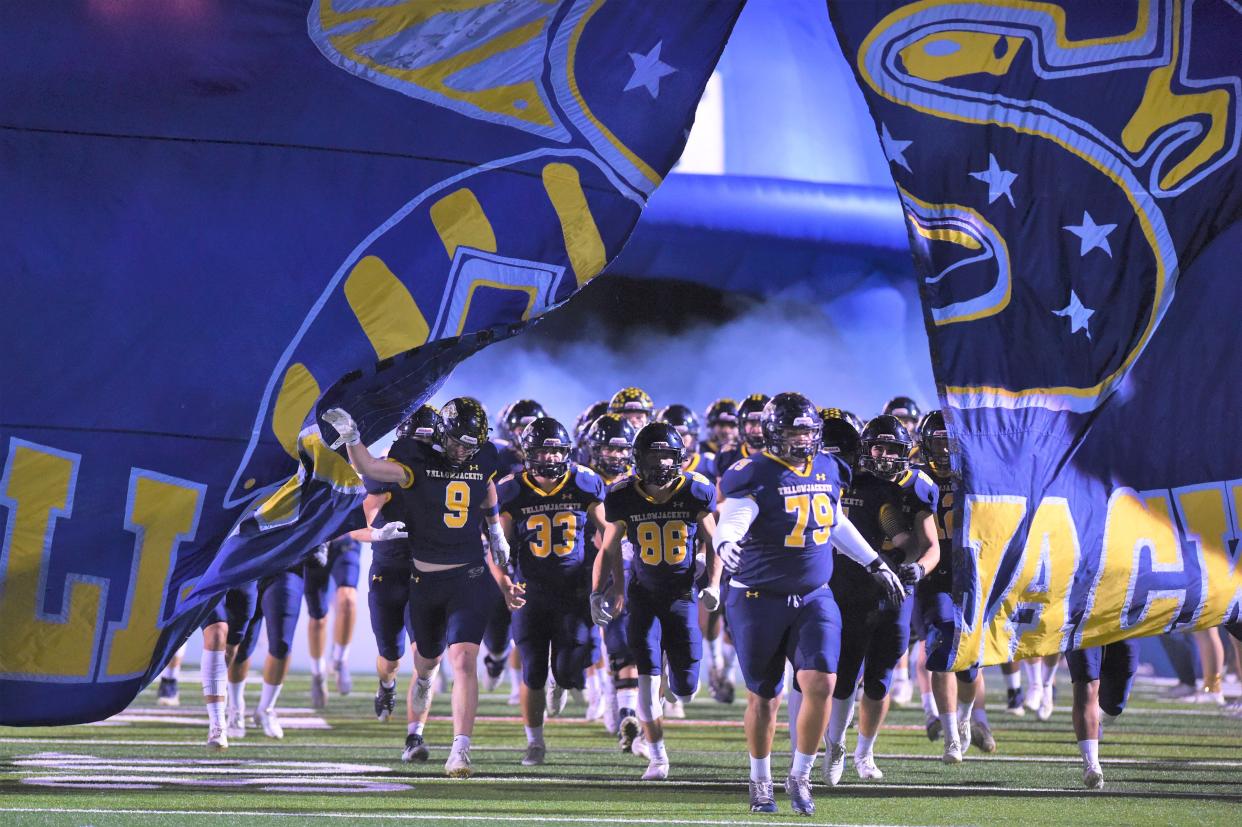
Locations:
{"points": [[911, 573]]}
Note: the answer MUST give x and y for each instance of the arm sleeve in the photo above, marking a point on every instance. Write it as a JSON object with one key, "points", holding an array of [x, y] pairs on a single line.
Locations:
{"points": [[736, 515], [847, 540]]}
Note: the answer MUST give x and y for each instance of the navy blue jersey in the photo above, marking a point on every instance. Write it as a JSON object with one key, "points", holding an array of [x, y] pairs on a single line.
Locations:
{"points": [[787, 548], [704, 464], [940, 499], [440, 504], [725, 459], [880, 510], [510, 462], [551, 527], [662, 534]]}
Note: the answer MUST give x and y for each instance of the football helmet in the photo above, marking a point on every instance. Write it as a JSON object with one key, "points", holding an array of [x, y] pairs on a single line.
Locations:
{"points": [[502, 430], [721, 412], [422, 425], [934, 442], [840, 435], [634, 404], [840, 413], [545, 448], [611, 439], [684, 421], [750, 419], [658, 454], [792, 428], [886, 447], [520, 414], [905, 409], [463, 429]]}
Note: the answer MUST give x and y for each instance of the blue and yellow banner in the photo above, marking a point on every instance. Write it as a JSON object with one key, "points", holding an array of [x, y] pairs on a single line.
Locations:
{"points": [[1072, 188], [222, 215]]}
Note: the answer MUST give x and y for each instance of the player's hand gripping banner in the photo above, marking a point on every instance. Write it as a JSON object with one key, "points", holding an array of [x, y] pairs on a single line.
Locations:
{"points": [[222, 218], [1071, 182]]}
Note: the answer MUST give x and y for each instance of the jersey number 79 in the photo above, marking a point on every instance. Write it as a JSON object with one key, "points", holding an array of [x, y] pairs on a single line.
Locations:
{"points": [[804, 507]]}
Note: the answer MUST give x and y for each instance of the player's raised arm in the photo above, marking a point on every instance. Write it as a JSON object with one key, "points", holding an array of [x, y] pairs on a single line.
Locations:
{"points": [[380, 470]]}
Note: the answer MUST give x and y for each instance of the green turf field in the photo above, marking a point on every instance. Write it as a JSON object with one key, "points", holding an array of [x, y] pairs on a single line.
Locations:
{"points": [[1164, 764]]}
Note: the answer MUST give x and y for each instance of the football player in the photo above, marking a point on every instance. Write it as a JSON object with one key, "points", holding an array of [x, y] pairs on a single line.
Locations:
{"points": [[611, 441], [842, 435], [721, 417], [582, 449], [168, 693], [776, 532], [232, 612], [1102, 677], [340, 561], [514, 419], [875, 624], [634, 404], [663, 510], [546, 513], [907, 411], [443, 493], [750, 428], [686, 423]]}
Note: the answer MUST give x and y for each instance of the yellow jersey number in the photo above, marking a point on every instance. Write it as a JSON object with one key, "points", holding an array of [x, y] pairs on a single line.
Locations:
{"points": [[806, 507], [456, 504], [668, 545], [541, 525]]}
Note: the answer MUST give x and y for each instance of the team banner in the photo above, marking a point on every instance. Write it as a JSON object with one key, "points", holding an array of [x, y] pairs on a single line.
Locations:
{"points": [[1072, 188], [222, 215]]}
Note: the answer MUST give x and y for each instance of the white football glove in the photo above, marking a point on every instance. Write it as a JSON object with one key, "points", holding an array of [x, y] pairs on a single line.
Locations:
{"points": [[730, 554], [710, 598], [601, 609], [344, 425], [389, 531], [320, 555], [499, 545], [888, 581]]}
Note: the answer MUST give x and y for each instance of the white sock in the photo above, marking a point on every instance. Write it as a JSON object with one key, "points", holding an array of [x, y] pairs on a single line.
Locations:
{"points": [[392, 684], [628, 698], [1013, 680], [534, 735], [1050, 673], [267, 699], [461, 742], [340, 652], [802, 764], [318, 665], [215, 674], [865, 745], [1034, 672], [237, 696], [215, 713], [963, 710], [658, 753], [929, 705], [716, 649], [1090, 749], [839, 721], [948, 723], [592, 683], [414, 728], [761, 768]]}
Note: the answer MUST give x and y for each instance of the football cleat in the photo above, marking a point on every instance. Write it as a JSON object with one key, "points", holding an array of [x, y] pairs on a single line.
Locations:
{"points": [[386, 702], [415, 749], [952, 752], [799, 789], [934, 728], [865, 766], [981, 735], [344, 681], [1034, 697], [236, 726], [674, 709], [557, 699], [762, 799], [721, 686], [319, 691], [1013, 702], [1181, 691], [1046, 703], [1093, 777], [657, 770], [267, 719], [1209, 698], [495, 672], [963, 733], [458, 764], [834, 766], [628, 730], [535, 754], [167, 694], [217, 738]]}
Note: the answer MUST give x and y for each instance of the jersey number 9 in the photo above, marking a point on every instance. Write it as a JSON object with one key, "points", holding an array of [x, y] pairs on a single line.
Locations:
{"points": [[456, 504], [806, 507]]}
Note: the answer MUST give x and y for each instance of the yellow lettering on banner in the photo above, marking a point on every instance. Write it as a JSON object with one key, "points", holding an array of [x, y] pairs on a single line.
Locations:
{"points": [[582, 239], [1135, 521], [1051, 537], [298, 393], [1209, 526], [385, 309], [163, 513], [459, 220], [37, 490], [990, 523]]}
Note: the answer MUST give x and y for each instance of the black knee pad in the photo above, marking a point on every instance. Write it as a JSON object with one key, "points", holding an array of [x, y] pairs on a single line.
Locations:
{"points": [[625, 683]]}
